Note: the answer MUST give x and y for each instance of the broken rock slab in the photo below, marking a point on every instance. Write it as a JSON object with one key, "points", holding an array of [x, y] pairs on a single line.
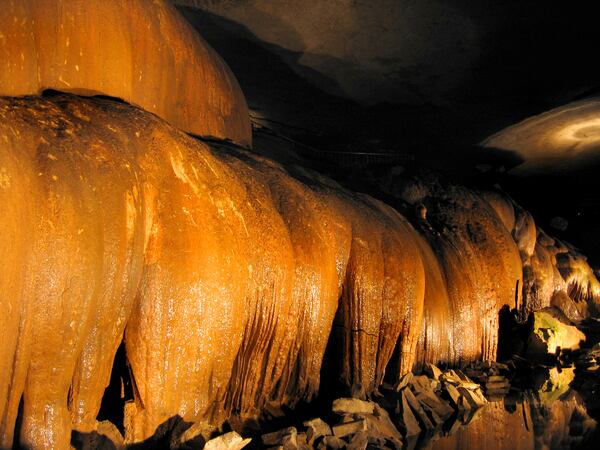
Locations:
{"points": [[347, 428], [407, 421], [330, 443], [227, 441], [315, 428], [381, 429], [345, 406], [287, 437], [422, 417]]}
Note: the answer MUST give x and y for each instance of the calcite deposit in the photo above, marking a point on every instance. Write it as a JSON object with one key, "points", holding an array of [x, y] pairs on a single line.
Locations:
{"points": [[223, 272], [141, 51], [227, 277]]}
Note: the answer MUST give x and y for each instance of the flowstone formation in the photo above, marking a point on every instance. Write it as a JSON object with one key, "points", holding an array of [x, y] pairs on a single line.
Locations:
{"points": [[227, 277], [141, 51]]}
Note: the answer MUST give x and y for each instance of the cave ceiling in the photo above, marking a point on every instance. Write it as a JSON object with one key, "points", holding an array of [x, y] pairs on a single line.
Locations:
{"points": [[401, 74]]}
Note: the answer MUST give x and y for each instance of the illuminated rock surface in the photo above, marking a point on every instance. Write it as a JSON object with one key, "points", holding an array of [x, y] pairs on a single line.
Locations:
{"points": [[550, 334], [527, 425], [227, 277], [144, 53], [559, 140], [224, 273]]}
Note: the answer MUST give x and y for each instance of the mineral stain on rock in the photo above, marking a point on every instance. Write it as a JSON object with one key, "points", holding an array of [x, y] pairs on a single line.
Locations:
{"points": [[225, 278]]}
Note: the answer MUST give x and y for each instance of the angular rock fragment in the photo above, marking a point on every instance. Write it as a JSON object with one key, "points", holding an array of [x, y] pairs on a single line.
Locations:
{"points": [[287, 437], [227, 441], [453, 393], [380, 428], [345, 429], [407, 421], [467, 399], [421, 382], [420, 414], [436, 404], [330, 443], [345, 406], [315, 428], [433, 371]]}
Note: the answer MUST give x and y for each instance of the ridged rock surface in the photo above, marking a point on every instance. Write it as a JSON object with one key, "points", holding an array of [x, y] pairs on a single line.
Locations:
{"points": [[223, 272], [144, 52]]}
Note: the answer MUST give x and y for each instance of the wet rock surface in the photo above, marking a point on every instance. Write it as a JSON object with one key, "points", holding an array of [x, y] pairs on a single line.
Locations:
{"points": [[215, 288], [420, 416], [352, 274]]}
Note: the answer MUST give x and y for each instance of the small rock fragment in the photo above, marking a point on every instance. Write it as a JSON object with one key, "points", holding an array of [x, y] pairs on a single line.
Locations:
{"points": [[315, 428], [227, 441], [287, 437], [344, 429], [359, 441], [345, 406], [453, 394]]}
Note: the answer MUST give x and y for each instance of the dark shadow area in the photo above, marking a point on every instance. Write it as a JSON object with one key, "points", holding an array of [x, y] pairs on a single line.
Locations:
{"points": [[527, 61], [290, 104], [119, 391], [165, 437], [55, 93], [512, 334], [18, 424]]}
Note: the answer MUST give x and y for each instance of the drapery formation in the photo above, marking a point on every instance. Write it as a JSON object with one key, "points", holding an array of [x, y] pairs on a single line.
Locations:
{"points": [[223, 272], [225, 275]]}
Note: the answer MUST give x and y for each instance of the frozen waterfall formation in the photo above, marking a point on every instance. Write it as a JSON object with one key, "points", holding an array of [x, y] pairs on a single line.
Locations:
{"points": [[226, 275]]}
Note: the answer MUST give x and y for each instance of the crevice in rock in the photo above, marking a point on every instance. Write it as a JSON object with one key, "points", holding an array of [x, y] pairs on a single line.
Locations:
{"points": [[18, 422], [392, 369], [119, 391]]}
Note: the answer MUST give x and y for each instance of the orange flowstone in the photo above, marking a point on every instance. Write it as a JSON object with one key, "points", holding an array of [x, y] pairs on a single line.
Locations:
{"points": [[222, 270], [140, 51], [225, 273]]}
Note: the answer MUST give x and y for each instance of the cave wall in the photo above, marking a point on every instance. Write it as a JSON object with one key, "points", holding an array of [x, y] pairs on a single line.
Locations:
{"points": [[223, 272], [225, 275]]}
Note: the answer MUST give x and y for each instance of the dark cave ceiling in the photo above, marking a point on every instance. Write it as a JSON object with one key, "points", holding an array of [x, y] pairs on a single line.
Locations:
{"points": [[400, 74]]}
